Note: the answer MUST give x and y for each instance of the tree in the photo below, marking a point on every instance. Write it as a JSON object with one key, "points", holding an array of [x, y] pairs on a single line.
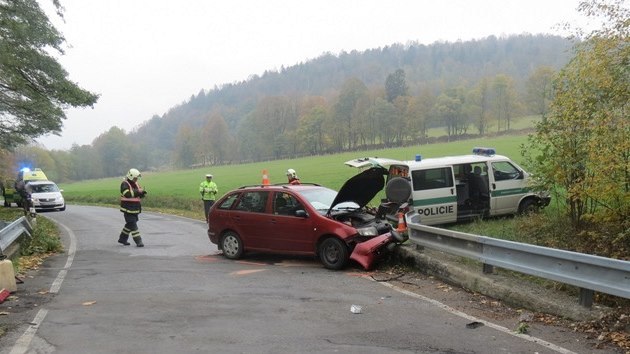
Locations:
{"points": [[585, 142], [275, 117], [310, 132], [185, 151], [346, 111], [218, 139], [449, 108], [7, 167], [482, 99], [395, 85], [419, 115], [114, 149], [504, 100], [382, 113], [86, 163], [34, 87], [539, 90], [34, 156]]}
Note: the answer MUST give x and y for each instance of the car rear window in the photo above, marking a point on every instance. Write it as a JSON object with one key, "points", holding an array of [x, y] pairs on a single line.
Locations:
{"points": [[253, 201]]}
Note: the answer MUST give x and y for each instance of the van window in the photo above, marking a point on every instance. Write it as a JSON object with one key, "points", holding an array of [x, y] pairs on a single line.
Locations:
{"points": [[398, 171], [504, 170], [432, 178]]}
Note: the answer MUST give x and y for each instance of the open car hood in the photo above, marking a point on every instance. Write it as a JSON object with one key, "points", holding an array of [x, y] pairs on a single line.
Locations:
{"points": [[361, 188]]}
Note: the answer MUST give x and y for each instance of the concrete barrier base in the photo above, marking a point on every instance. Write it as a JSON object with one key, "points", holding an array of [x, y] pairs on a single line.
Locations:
{"points": [[7, 276], [513, 290]]}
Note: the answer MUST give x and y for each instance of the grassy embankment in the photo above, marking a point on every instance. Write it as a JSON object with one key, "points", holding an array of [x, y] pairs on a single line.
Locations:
{"points": [[43, 241]]}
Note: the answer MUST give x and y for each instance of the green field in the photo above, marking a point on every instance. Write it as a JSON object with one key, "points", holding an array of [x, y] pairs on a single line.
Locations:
{"points": [[179, 189]]}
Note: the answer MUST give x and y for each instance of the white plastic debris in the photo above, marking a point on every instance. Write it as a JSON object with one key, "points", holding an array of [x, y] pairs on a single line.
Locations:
{"points": [[355, 309]]}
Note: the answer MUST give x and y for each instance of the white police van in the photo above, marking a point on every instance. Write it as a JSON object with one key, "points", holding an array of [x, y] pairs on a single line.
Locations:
{"points": [[456, 188]]}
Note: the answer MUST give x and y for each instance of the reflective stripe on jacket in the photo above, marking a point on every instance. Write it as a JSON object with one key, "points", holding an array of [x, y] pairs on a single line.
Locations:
{"points": [[130, 194], [208, 190]]}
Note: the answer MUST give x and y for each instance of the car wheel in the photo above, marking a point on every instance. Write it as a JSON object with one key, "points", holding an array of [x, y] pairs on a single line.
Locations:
{"points": [[333, 253], [7, 205], [232, 245], [527, 206]]}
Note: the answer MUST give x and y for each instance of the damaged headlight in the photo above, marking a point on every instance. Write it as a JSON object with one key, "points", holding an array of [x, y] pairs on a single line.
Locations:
{"points": [[368, 231]]}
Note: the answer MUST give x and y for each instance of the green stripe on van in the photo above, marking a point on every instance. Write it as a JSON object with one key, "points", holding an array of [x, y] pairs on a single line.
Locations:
{"points": [[511, 191], [431, 201]]}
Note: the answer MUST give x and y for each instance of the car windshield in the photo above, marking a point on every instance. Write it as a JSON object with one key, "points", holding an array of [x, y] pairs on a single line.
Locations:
{"points": [[322, 198], [44, 188]]}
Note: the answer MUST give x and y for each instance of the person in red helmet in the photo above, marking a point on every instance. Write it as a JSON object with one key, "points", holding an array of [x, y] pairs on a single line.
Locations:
{"points": [[292, 176]]}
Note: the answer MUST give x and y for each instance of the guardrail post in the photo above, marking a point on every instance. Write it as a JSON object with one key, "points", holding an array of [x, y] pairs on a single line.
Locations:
{"points": [[586, 297], [488, 268]]}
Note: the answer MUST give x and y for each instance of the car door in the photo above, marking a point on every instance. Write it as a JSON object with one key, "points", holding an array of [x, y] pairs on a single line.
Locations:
{"points": [[434, 195], [291, 233], [507, 187], [250, 219]]}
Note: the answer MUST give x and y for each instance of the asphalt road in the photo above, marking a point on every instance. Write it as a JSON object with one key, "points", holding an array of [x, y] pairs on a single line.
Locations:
{"points": [[177, 295]]}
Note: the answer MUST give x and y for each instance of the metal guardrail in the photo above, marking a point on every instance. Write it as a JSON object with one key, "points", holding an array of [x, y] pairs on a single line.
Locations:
{"points": [[588, 272], [14, 230]]}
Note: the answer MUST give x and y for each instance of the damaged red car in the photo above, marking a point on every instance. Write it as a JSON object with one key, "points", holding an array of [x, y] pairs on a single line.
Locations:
{"points": [[307, 219]]}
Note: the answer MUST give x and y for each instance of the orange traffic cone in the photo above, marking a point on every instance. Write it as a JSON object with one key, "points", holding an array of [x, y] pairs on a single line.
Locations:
{"points": [[402, 227], [265, 180]]}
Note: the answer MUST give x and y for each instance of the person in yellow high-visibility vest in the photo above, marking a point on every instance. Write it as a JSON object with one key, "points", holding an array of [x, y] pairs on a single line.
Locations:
{"points": [[208, 190]]}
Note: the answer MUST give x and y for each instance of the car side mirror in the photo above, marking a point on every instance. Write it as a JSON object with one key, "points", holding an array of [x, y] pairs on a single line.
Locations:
{"points": [[301, 213]]}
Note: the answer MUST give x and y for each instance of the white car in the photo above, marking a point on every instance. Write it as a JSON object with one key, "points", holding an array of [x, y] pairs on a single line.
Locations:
{"points": [[45, 195]]}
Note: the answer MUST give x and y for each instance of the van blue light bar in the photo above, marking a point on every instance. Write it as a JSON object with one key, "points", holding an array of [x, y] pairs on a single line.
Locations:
{"points": [[484, 151]]}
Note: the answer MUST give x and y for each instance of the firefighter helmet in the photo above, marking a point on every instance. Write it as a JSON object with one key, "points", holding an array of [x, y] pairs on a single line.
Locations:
{"points": [[133, 173], [291, 173]]}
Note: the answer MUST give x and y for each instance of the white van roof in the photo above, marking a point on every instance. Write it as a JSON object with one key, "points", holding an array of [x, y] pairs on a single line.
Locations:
{"points": [[366, 162], [453, 160]]}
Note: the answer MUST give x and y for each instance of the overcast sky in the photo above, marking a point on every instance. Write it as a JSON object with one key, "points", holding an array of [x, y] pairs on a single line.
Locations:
{"points": [[146, 56]]}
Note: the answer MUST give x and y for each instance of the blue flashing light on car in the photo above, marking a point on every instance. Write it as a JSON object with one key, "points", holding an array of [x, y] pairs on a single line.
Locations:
{"points": [[484, 151]]}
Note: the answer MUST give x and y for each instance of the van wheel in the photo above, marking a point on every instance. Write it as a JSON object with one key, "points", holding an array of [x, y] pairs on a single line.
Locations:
{"points": [[527, 206], [333, 253], [232, 245]]}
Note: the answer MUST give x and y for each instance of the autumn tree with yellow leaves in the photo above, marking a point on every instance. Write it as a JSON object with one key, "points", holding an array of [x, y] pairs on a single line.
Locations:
{"points": [[585, 142]]}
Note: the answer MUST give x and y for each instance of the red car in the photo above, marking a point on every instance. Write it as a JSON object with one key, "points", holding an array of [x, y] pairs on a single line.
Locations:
{"points": [[306, 219]]}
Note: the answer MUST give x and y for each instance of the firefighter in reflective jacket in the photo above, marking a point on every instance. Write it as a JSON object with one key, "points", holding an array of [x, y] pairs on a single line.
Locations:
{"points": [[130, 194]]}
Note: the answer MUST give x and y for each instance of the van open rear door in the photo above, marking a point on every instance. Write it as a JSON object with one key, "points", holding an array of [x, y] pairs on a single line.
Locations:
{"points": [[367, 162]]}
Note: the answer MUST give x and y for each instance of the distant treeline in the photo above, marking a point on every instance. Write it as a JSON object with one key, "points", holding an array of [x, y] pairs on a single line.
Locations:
{"points": [[383, 97]]}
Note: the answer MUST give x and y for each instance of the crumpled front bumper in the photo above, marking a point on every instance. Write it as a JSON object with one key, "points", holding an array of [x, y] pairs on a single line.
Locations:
{"points": [[368, 252]]}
